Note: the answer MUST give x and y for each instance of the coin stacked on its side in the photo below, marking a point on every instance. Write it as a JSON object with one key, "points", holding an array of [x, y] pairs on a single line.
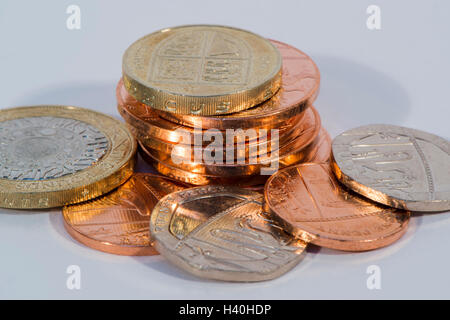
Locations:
{"points": [[218, 105]]}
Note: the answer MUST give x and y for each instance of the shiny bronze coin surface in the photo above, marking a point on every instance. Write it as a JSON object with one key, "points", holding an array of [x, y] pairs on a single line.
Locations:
{"points": [[161, 134], [283, 155], [400, 167], [246, 144], [144, 122], [118, 222], [202, 70], [299, 88], [223, 233], [309, 203], [321, 150], [195, 178]]}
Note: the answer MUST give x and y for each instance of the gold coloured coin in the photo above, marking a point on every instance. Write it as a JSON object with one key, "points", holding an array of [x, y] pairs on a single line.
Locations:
{"points": [[51, 156], [223, 233], [299, 89], [202, 70], [159, 133], [118, 222]]}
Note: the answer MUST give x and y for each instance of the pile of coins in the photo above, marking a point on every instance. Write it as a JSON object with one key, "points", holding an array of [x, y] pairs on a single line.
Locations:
{"points": [[221, 105], [248, 178]]}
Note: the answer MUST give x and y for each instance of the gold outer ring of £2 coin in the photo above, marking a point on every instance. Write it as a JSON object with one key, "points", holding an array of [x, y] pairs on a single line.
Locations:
{"points": [[112, 169], [223, 70]]}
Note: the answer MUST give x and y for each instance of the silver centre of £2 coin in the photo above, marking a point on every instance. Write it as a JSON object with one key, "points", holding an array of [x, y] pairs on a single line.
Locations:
{"points": [[42, 148]]}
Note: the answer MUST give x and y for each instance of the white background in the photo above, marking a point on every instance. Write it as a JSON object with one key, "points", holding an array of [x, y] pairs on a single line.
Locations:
{"points": [[397, 75]]}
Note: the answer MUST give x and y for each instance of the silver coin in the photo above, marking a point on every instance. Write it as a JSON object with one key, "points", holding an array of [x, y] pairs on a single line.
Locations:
{"points": [[400, 167], [222, 233], [42, 148]]}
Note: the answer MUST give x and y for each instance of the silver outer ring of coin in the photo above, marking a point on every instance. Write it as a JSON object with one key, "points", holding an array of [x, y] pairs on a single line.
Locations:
{"points": [[170, 247], [396, 166]]}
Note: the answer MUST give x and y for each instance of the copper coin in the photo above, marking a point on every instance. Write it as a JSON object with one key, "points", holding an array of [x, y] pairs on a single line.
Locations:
{"points": [[286, 154], [247, 144], [118, 222], [144, 119], [160, 134], [299, 88], [321, 151], [309, 202], [195, 178]]}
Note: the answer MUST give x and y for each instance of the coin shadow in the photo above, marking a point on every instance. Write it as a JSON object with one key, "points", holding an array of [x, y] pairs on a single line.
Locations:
{"points": [[96, 96], [353, 94], [434, 220], [26, 212], [161, 265]]}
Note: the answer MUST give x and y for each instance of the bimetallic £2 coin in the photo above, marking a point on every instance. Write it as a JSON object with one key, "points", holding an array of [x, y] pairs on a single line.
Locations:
{"points": [[118, 222], [222, 233], [202, 70], [396, 166], [51, 156]]}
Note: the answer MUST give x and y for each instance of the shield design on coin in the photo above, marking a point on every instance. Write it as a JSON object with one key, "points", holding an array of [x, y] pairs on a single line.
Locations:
{"points": [[118, 222], [309, 202], [225, 236], [396, 166], [201, 57]]}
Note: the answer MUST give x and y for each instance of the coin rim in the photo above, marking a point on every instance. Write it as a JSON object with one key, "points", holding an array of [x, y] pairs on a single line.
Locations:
{"points": [[242, 99], [259, 120], [109, 246], [285, 151], [230, 276], [312, 236], [382, 197]]}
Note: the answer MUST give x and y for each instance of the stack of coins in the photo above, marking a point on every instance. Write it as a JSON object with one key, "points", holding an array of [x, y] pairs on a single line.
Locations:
{"points": [[218, 105]]}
